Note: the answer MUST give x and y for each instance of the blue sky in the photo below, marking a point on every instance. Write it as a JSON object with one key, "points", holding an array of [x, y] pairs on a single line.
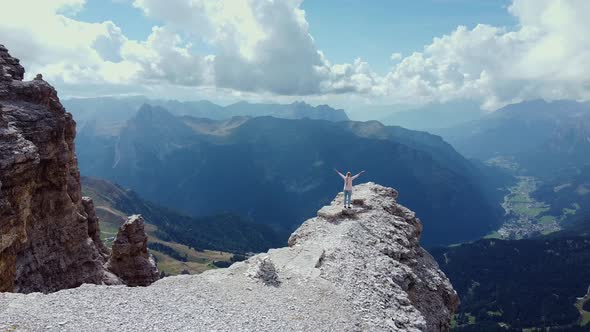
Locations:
{"points": [[348, 29], [130, 19], [373, 30], [337, 52]]}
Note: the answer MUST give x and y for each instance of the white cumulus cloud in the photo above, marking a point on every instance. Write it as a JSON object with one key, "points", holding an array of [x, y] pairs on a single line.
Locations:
{"points": [[264, 48], [261, 45], [546, 56]]}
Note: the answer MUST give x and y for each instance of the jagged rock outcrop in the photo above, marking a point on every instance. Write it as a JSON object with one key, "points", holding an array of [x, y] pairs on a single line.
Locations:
{"points": [[10, 68], [380, 262], [362, 270], [130, 259], [49, 234]]}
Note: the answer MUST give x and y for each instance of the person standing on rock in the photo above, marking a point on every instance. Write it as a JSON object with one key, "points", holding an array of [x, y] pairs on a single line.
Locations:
{"points": [[348, 186]]}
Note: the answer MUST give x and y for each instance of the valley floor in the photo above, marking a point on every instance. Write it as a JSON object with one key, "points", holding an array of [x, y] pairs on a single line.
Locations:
{"points": [[525, 216], [523, 212]]}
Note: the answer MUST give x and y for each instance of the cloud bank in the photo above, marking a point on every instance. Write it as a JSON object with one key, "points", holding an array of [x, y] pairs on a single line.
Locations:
{"points": [[264, 48]]}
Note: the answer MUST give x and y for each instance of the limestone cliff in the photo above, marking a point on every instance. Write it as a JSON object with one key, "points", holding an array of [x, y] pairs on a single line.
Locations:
{"points": [[49, 234], [344, 270]]}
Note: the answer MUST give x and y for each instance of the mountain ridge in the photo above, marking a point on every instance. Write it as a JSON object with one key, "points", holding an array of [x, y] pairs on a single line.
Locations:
{"points": [[289, 162], [107, 114], [542, 137]]}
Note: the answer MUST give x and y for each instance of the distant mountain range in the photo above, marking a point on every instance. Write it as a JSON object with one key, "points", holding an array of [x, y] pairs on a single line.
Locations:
{"points": [[543, 138], [434, 116], [548, 142], [109, 114], [279, 172]]}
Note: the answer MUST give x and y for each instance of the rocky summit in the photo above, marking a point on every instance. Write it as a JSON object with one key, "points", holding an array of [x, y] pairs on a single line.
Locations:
{"points": [[359, 269], [49, 233]]}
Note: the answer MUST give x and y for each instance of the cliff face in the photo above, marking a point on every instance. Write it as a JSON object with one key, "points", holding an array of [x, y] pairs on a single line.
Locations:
{"points": [[344, 270], [49, 233], [46, 244]]}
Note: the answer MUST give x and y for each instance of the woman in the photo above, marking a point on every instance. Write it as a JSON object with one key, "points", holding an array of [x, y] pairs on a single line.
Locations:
{"points": [[348, 187]]}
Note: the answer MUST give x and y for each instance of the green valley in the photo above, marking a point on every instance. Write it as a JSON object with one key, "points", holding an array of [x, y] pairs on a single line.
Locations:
{"points": [[199, 248], [196, 262], [525, 216], [528, 209]]}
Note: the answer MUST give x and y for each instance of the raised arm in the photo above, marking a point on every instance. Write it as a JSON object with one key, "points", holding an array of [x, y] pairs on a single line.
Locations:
{"points": [[341, 175], [356, 176]]}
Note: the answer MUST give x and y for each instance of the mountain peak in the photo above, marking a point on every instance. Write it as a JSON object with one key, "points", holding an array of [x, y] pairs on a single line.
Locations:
{"points": [[300, 103], [148, 110], [150, 117], [553, 108], [241, 102]]}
